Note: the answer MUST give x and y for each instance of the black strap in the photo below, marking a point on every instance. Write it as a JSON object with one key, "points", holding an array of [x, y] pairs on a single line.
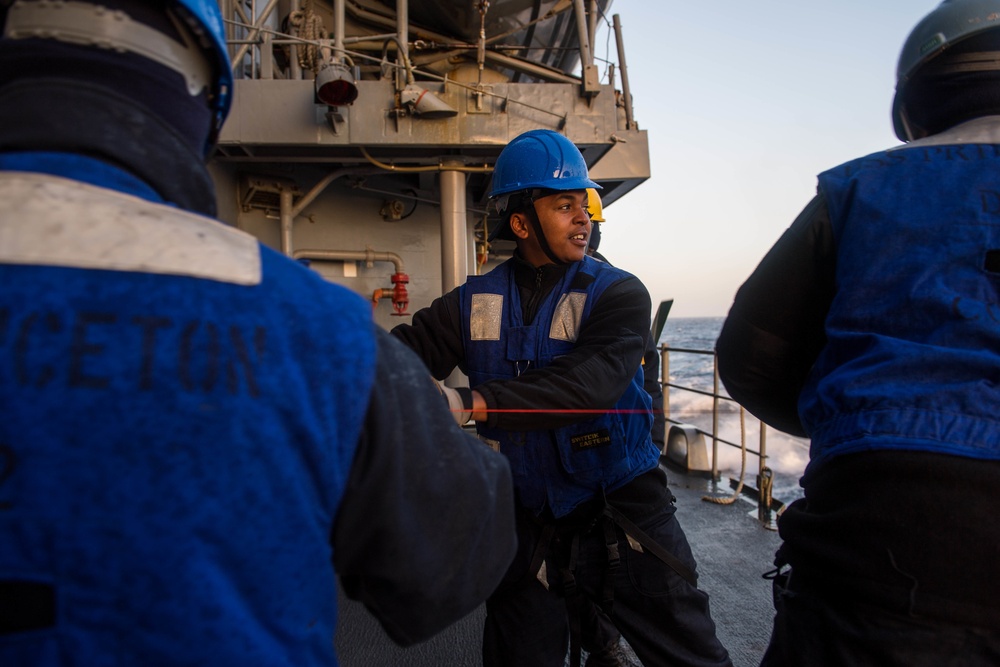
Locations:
{"points": [[466, 395], [647, 542], [541, 549], [614, 559], [565, 585], [574, 603]]}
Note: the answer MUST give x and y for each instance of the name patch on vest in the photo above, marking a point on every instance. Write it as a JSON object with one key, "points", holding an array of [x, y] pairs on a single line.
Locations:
{"points": [[568, 316], [485, 318], [586, 441]]}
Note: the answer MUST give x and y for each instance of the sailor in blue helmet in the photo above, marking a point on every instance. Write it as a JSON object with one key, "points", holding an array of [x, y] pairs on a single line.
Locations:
{"points": [[552, 342], [873, 327], [196, 433]]}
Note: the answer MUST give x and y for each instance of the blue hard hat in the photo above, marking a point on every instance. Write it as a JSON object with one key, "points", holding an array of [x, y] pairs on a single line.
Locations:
{"points": [[204, 17], [540, 159]]}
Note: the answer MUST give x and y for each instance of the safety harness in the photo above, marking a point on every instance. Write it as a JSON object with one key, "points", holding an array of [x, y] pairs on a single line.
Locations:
{"points": [[555, 566]]}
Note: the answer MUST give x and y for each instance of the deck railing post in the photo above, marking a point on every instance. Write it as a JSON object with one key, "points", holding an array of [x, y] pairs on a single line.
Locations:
{"points": [[664, 379], [764, 479], [715, 417]]}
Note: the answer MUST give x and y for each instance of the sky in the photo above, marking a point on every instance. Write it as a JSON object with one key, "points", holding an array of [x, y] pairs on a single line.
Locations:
{"points": [[744, 104]]}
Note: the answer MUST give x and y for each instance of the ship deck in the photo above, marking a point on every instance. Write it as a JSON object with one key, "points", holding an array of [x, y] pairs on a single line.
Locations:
{"points": [[733, 549]]}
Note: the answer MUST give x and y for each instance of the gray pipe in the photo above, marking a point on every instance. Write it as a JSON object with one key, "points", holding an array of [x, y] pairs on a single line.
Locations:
{"points": [[403, 39], [586, 58], [520, 65], [294, 68], [289, 209], [318, 188], [367, 256], [454, 229], [626, 91], [339, 14], [287, 218]]}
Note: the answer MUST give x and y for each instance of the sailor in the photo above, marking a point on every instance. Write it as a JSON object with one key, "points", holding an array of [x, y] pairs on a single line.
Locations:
{"points": [[552, 342], [865, 328], [197, 434]]}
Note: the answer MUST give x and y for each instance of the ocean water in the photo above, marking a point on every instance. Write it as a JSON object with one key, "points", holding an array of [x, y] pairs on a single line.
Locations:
{"points": [[786, 455]]}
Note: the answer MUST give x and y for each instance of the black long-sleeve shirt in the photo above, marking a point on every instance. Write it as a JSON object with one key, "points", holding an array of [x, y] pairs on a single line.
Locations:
{"points": [[594, 375], [425, 529]]}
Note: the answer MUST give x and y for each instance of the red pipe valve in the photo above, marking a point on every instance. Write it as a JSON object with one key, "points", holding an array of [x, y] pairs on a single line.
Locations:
{"points": [[400, 297]]}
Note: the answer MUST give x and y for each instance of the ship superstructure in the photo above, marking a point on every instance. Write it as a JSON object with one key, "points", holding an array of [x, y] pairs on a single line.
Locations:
{"points": [[363, 133]]}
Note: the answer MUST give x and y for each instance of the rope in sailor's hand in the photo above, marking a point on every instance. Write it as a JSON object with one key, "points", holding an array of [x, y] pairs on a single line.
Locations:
{"points": [[721, 500]]}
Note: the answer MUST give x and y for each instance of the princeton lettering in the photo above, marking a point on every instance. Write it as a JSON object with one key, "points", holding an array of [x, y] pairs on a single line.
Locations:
{"points": [[150, 326], [82, 347], [95, 351]]}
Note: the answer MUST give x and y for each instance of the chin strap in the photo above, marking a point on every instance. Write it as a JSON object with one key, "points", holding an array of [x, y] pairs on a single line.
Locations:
{"points": [[543, 243]]}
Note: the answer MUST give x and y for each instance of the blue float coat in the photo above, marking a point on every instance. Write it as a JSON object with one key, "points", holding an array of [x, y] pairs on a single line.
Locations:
{"points": [[911, 360], [175, 438], [562, 467]]}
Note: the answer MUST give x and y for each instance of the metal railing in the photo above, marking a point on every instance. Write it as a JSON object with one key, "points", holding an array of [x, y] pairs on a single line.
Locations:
{"points": [[765, 502]]}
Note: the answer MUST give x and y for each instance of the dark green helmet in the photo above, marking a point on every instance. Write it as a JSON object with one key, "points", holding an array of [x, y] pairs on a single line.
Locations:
{"points": [[953, 21]]}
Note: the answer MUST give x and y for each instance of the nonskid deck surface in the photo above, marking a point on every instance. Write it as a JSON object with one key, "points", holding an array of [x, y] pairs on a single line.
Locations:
{"points": [[733, 550]]}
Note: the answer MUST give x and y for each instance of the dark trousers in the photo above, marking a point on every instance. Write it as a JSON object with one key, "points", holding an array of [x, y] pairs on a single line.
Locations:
{"points": [[813, 629], [664, 619]]}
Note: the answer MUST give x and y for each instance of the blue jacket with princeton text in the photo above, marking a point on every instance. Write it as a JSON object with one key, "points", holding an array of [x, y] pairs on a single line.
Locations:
{"points": [[561, 468], [179, 410], [912, 359]]}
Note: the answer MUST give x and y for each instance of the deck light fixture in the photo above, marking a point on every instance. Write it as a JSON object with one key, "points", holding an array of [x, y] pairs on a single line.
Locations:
{"points": [[335, 85]]}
